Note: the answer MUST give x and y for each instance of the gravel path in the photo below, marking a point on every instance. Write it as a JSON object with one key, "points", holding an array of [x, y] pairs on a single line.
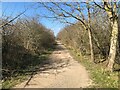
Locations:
{"points": [[65, 72]]}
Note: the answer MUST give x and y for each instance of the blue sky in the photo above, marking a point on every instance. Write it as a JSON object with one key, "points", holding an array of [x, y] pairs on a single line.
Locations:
{"points": [[14, 8]]}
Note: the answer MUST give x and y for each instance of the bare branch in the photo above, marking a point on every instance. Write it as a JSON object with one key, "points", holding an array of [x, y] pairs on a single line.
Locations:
{"points": [[13, 19], [71, 14]]}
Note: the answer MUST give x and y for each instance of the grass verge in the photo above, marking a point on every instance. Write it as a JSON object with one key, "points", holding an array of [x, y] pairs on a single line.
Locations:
{"points": [[97, 73]]}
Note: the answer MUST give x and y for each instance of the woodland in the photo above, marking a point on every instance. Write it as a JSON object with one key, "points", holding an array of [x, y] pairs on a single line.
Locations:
{"points": [[27, 43]]}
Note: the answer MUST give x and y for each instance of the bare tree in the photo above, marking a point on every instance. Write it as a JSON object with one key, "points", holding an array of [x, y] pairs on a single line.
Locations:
{"points": [[111, 10], [64, 10], [90, 32]]}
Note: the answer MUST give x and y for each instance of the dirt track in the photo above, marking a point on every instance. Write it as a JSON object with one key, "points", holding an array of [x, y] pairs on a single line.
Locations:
{"points": [[65, 73]]}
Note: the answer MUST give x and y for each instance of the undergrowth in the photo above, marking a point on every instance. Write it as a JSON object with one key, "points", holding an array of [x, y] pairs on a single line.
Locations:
{"points": [[24, 73]]}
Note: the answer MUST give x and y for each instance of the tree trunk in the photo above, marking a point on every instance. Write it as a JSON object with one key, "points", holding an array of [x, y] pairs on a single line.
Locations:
{"points": [[113, 15], [90, 33], [113, 45], [27, 46], [91, 45]]}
